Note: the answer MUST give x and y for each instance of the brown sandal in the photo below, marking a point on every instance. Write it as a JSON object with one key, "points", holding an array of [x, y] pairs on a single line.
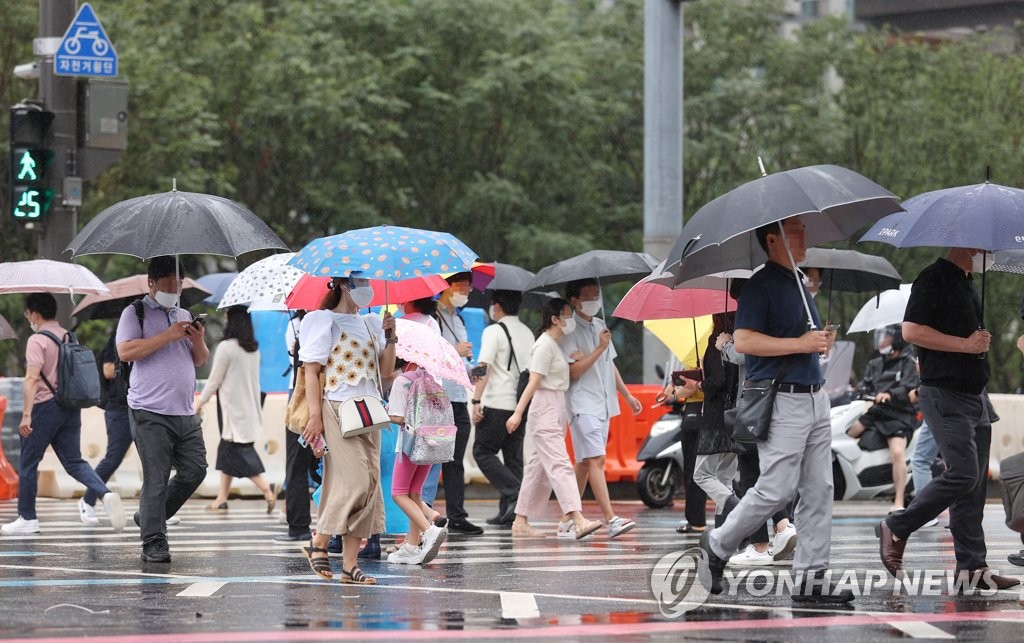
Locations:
{"points": [[356, 577], [321, 565]]}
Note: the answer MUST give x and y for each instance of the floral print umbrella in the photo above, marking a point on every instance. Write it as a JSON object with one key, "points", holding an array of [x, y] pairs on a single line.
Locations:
{"points": [[421, 345], [264, 284]]}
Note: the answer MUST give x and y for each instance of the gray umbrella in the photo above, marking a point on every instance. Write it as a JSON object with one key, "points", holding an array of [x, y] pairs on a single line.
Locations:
{"points": [[506, 277], [833, 203], [852, 271], [6, 331], [605, 265], [173, 223]]}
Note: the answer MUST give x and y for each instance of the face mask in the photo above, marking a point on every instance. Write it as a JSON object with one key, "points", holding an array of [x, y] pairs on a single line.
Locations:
{"points": [[490, 311], [459, 300], [34, 327], [166, 299], [570, 325], [979, 261], [361, 296], [590, 308], [885, 350]]}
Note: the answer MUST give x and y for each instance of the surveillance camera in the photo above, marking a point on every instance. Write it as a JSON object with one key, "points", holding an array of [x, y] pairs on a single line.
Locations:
{"points": [[27, 71]]}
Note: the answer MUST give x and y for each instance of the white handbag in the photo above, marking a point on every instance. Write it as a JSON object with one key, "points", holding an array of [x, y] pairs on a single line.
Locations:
{"points": [[364, 413]]}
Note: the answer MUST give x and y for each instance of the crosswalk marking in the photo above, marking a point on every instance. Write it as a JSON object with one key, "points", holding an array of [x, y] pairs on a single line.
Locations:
{"points": [[920, 630], [518, 605], [201, 589]]}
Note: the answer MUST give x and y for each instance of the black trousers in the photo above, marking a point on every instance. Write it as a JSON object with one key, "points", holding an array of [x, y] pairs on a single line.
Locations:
{"points": [[750, 471], [454, 472], [696, 498], [961, 427], [298, 459], [506, 474]]}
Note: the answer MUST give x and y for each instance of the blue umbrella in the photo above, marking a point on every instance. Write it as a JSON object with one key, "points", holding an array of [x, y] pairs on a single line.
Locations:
{"points": [[390, 253], [217, 283], [984, 216]]}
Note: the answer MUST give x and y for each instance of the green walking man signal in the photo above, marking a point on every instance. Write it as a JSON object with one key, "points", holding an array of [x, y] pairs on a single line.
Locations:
{"points": [[31, 161]]}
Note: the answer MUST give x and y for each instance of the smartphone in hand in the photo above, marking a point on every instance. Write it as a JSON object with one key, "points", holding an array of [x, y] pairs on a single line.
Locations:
{"points": [[478, 371], [200, 320], [695, 374]]}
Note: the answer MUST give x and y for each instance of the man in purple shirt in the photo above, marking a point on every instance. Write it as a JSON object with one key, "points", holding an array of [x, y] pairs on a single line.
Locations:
{"points": [[165, 352]]}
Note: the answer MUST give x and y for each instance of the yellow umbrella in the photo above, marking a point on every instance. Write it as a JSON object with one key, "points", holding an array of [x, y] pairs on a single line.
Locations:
{"points": [[678, 336]]}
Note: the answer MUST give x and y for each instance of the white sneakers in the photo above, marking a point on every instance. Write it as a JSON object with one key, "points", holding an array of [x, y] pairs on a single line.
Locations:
{"points": [[784, 543], [115, 512], [21, 526], [409, 554], [618, 526], [750, 557], [87, 513], [566, 529]]}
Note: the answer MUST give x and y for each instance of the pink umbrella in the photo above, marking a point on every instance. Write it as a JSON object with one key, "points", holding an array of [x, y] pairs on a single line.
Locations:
{"points": [[419, 344], [647, 300], [6, 332], [46, 275], [309, 290]]}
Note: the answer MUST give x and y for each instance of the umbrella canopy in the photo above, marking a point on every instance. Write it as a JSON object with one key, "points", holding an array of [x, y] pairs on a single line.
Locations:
{"points": [[852, 271], [309, 290], [419, 344], [653, 301], [6, 330], [605, 265], [389, 253], [833, 203], [264, 284], [884, 310], [125, 291], [984, 216], [500, 276], [217, 283], [681, 338], [173, 223], [45, 275]]}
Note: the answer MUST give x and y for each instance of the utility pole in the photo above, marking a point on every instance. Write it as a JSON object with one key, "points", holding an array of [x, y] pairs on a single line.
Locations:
{"points": [[663, 143]]}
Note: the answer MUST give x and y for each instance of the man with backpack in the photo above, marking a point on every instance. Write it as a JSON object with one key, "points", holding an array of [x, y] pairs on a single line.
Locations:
{"points": [[52, 414], [505, 351], [165, 351]]}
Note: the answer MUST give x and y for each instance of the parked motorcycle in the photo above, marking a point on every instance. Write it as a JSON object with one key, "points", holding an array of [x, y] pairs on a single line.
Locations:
{"points": [[662, 454]]}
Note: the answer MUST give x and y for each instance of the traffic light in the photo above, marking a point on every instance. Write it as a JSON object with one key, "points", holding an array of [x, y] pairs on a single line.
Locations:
{"points": [[31, 163]]}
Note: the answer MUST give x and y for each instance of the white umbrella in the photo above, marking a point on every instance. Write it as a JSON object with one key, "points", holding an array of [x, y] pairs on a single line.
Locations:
{"points": [[6, 332], [45, 275], [264, 285], [885, 310]]}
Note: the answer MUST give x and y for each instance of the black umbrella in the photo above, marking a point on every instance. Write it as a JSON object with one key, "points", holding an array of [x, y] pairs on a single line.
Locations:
{"points": [[173, 223], [851, 271], [606, 266], [501, 276]]}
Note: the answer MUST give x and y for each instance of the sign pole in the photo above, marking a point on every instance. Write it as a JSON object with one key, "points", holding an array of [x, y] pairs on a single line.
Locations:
{"points": [[60, 97]]}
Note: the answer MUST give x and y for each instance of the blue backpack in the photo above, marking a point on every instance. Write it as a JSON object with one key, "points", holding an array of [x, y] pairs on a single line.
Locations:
{"points": [[78, 378]]}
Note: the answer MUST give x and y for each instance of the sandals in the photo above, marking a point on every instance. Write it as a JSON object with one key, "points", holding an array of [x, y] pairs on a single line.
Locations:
{"points": [[525, 531], [356, 577], [273, 499], [321, 565], [588, 527], [687, 528], [221, 508]]}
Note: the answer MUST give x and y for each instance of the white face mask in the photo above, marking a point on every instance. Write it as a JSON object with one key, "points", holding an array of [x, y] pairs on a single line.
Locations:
{"points": [[590, 308], [570, 325], [361, 296], [979, 260], [490, 312], [459, 300], [34, 327], [166, 299], [885, 350]]}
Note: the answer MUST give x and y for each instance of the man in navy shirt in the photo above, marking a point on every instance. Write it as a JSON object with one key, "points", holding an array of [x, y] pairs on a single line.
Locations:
{"points": [[943, 318], [772, 327]]}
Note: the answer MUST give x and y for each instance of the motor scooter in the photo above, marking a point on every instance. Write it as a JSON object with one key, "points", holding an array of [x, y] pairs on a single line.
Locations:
{"points": [[661, 476], [858, 474]]}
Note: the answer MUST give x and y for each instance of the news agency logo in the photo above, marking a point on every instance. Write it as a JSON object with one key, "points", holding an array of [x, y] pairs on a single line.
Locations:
{"points": [[680, 580]]}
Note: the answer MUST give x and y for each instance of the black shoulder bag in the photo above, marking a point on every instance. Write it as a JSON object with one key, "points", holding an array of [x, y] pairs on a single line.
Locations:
{"points": [[752, 416]]}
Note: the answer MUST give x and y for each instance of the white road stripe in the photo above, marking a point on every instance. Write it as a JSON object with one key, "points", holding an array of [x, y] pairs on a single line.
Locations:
{"points": [[201, 589], [920, 630], [518, 605]]}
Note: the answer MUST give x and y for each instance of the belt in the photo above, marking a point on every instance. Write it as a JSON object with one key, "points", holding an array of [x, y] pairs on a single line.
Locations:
{"points": [[799, 388]]}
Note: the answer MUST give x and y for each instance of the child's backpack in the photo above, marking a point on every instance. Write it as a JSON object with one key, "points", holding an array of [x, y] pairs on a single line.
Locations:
{"points": [[78, 379], [429, 433]]}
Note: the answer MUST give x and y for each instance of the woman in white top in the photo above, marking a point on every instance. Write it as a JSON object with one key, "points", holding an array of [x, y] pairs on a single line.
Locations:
{"points": [[337, 340], [549, 466], [235, 375]]}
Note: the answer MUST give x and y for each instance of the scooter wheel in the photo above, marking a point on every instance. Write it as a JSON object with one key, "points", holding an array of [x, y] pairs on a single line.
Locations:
{"points": [[653, 493]]}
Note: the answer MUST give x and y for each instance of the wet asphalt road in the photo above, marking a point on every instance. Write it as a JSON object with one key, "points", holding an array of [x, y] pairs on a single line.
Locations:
{"points": [[230, 581]]}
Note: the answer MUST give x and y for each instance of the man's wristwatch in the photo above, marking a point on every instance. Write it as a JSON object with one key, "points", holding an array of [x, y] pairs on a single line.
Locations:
{"points": [[474, 402]]}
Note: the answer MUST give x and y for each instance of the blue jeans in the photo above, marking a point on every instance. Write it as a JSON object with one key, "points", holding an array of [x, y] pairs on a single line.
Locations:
{"points": [[430, 485], [921, 459], [59, 427], [119, 438]]}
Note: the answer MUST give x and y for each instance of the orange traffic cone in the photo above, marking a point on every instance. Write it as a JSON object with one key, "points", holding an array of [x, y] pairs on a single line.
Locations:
{"points": [[8, 476]]}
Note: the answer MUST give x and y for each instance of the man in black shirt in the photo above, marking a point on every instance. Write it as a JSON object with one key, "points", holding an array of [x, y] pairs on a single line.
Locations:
{"points": [[944, 319]]}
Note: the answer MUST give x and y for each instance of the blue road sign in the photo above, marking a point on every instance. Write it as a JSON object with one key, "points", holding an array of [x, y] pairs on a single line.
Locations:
{"points": [[85, 50]]}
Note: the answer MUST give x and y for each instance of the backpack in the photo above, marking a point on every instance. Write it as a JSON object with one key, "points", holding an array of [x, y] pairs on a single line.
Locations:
{"points": [[78, 382], [117, 391], [524, 374], [429, 433]]}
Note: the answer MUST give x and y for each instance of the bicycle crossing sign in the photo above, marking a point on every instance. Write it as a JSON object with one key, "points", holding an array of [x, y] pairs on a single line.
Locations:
{"points": [[85, 49]]}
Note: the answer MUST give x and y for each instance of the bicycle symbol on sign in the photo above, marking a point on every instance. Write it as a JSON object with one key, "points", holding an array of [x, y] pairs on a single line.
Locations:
{"points": [[99, 46]]}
